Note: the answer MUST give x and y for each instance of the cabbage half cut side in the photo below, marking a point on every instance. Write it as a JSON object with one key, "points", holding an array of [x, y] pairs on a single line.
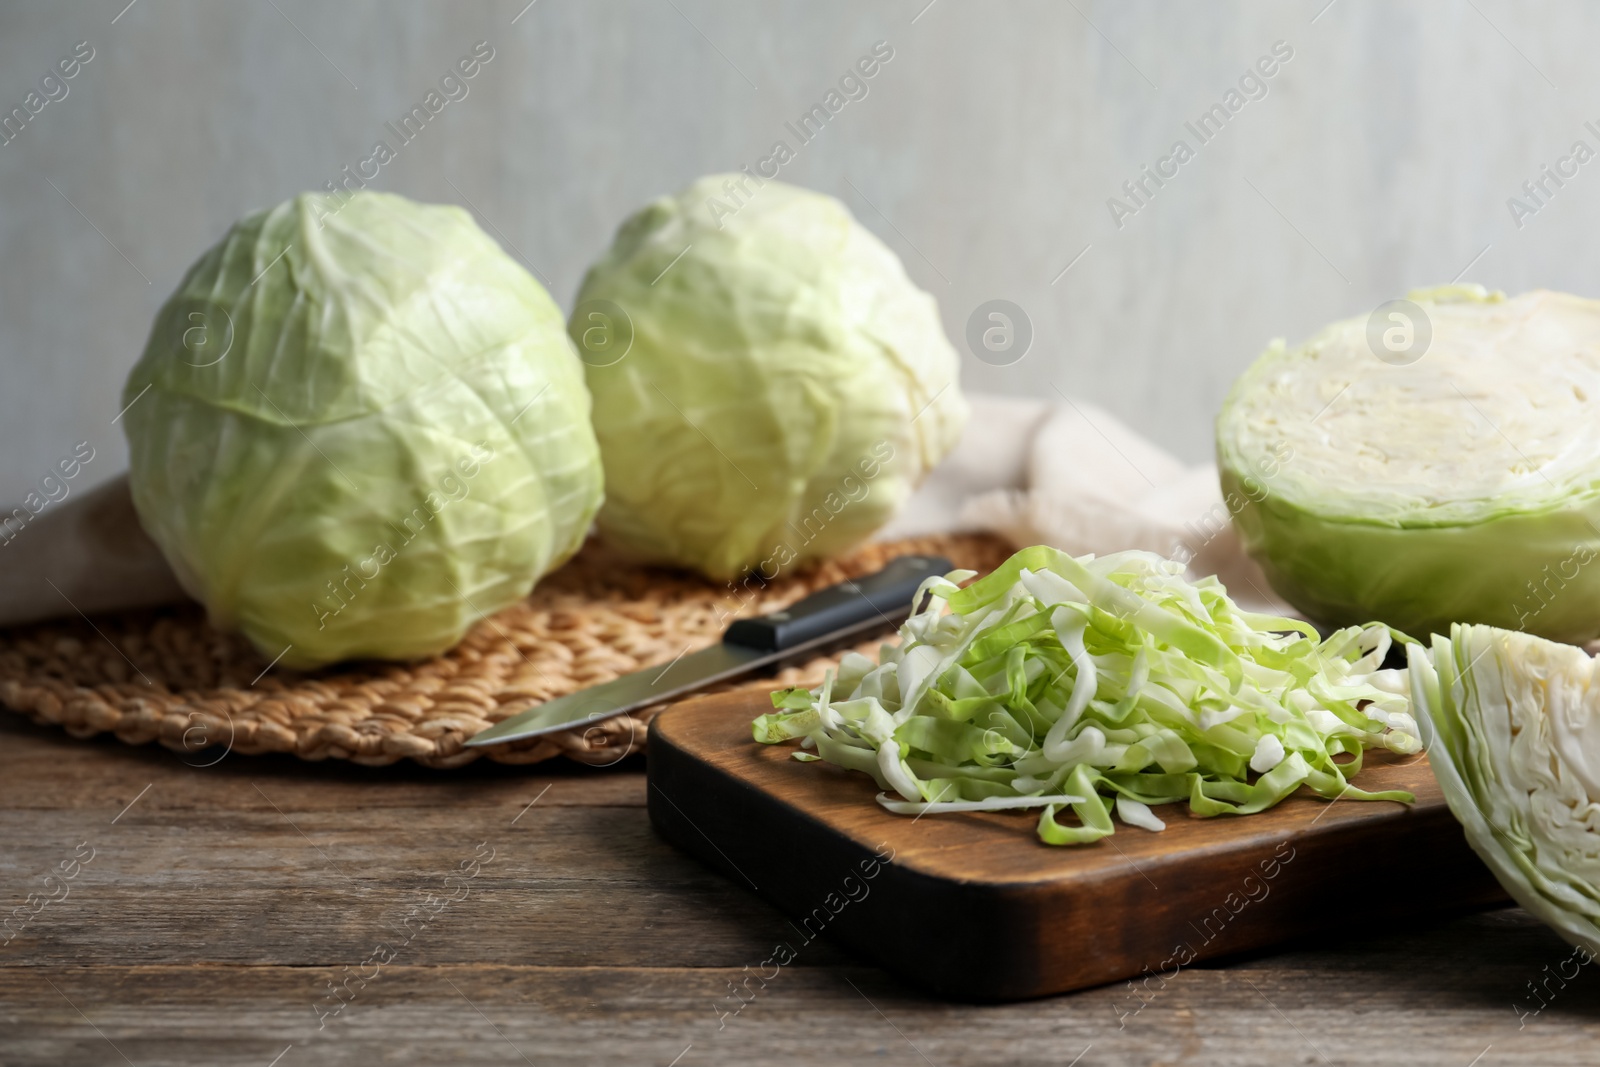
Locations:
{"points": [[1456, 482]]}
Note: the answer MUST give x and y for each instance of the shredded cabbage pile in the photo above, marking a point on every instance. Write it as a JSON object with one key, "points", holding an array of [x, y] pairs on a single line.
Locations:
{"points": [[1097, 683]]}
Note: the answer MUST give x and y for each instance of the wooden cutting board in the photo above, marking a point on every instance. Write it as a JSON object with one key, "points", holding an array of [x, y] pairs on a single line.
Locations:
{"points": [[974, 907]]}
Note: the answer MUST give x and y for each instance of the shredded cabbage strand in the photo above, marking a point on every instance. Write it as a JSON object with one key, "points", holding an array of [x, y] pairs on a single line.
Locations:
{"points": [[1095, 685]]}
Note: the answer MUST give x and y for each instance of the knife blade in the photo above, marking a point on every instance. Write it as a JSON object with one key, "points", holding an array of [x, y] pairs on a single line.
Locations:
{"points": [[831, 615]]}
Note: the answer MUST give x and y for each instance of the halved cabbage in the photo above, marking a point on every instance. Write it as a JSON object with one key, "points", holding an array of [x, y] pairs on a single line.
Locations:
{"points": [[1513, 727], [1461, 487]]}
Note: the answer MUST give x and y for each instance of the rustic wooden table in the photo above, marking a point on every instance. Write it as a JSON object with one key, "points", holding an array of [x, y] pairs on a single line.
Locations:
{"points": [[269, 913]]}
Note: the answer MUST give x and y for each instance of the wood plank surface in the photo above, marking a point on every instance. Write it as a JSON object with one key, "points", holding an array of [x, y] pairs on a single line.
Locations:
{"points": [[212, 918]]}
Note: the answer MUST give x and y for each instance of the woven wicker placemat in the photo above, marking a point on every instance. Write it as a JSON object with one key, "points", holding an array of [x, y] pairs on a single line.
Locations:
{"points": [[166, 675]]}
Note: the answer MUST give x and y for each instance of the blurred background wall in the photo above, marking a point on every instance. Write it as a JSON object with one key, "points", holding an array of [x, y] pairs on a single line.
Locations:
{"points": [[1380, 155]]}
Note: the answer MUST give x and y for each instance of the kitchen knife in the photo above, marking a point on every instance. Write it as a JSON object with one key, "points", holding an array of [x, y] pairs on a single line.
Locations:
{"points": [[831, 615]]}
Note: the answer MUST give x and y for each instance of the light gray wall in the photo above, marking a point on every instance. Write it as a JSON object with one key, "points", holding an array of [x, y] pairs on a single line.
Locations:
{"points": [[1381, 158]]}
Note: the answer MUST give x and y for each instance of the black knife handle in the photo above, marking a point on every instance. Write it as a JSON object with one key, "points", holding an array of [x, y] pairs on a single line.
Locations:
{"points": [[885, 595]]}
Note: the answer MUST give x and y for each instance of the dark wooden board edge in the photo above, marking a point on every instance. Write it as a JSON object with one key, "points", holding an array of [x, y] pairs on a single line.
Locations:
{"points": [[982, 941]]}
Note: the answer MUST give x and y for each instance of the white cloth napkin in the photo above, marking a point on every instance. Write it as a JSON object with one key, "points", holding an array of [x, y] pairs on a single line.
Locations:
{"points": [[87, 553], [1071, 475]]}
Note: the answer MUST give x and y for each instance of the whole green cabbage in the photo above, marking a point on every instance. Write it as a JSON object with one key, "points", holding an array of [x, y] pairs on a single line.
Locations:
{"points": [[768, 384], [357, 427], [1461, 486], [1513, 728]]}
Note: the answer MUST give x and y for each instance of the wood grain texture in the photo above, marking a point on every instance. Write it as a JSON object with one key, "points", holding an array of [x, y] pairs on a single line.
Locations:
{"points": [[1033, 919], [269, 861], [205, 933]]}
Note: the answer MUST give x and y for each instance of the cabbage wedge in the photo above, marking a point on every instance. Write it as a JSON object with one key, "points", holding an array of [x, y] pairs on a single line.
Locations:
{"points": [[1513, 726]]}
